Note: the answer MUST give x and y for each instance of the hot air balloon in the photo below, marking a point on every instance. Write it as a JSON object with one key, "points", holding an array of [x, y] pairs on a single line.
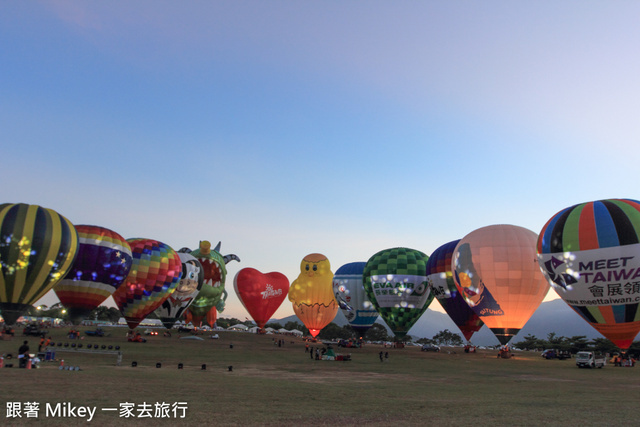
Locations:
{"points": [[154, 276], [37, 248], [261, 294], [396, 283], [102, 264], [440, 276], [190, 284], [590, 254], [348, 287], [211, 317], [496, 271], [213, 293], [312, 293]]}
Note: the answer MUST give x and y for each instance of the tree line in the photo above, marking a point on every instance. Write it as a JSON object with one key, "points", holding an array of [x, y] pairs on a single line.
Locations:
{"points": [[573, 344]]}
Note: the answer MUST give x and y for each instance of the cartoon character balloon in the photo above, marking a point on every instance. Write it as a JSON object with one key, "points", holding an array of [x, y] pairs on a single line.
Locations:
{"points": [[590, 254], [102, 264], [396, 283], [261, 294], [348, 287], [440, 277], [496, 271], [312, 293], [190, 284], [154, 276], [37, 249], [213, 293]]}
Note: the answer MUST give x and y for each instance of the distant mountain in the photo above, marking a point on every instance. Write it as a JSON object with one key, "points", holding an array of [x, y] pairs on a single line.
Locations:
{"points": [[552, 316]]}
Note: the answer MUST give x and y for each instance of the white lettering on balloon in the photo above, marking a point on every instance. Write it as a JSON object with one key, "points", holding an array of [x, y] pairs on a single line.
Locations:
{"points": [[270, 292]]}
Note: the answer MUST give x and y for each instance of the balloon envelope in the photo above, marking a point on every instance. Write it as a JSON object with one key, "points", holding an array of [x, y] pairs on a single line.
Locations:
{"points": [[154, 276], [312, 293], [261, 294], [348, 287], [37, 248], [496, 271], [440, 276], [215, 274], [211, 317], [590, 254], [396, 283], [190, 284], [102, 264]]}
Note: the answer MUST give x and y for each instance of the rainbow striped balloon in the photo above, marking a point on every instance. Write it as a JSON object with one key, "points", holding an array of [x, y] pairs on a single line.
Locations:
{"points": [[37, 248], [590, 254], [154, 276]]}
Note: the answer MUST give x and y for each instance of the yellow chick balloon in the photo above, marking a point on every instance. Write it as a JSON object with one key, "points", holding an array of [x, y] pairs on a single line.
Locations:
{"points": [[312, 293]]}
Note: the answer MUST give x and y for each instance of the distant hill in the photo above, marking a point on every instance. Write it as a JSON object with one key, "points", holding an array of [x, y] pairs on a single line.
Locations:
{"points": [[552, 316]]}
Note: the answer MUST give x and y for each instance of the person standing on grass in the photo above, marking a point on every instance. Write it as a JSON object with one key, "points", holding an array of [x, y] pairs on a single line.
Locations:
{"points": [[23, 354]]}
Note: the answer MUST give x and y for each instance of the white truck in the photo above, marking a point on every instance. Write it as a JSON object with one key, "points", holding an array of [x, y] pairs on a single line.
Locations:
{"points": [[589, 359]]}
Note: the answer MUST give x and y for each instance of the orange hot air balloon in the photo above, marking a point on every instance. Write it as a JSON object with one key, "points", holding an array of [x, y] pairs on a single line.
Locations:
{"points": [[497, 273], [312, 293], [212, 316]]}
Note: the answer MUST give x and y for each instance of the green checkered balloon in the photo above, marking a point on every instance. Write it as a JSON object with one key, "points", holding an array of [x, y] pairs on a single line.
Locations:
{"points": [[395, 281]]}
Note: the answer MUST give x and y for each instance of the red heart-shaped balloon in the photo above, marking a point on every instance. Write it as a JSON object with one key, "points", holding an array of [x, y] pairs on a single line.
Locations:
{"points": [[261, 294]]}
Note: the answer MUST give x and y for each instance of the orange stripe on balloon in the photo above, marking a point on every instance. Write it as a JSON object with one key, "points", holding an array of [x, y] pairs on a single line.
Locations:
{"points": [[587, 227], [607, 314]]}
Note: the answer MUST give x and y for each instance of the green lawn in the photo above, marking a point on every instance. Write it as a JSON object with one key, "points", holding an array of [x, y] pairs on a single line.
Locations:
{"points": [[271, 385]]}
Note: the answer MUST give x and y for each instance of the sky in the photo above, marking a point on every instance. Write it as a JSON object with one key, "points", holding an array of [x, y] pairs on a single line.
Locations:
{"points": [[285, 128]]}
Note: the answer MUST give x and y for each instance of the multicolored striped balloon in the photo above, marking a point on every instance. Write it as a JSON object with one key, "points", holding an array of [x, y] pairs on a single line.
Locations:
{"points": [[103, 262], [37, 248], [154, 276], [590, 254], [440, 276]]}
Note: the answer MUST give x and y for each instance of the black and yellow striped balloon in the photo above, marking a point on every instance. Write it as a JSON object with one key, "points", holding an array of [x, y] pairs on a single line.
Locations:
{"points": [[37, 248]]}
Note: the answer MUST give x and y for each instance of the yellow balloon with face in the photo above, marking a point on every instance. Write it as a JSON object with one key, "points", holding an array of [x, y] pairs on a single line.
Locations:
{"points": [[312, 293]]}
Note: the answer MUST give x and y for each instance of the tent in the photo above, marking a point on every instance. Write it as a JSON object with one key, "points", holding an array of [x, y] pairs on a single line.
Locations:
{"points": [[238, 327]]}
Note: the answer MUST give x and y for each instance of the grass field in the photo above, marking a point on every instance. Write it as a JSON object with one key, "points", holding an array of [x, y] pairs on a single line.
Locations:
{"points": [[271, 385]]}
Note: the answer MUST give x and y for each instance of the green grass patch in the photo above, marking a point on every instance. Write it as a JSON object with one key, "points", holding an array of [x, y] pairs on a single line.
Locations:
{"points": [[272, 385]]}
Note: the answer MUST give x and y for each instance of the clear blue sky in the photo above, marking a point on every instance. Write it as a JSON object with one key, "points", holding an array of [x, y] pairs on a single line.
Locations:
{"points": [[284, 128]]}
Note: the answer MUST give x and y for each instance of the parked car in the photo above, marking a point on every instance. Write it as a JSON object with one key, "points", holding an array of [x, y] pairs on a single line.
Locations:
{"points": [[549, 354], [97, 333], [34, 330], [430, 347]]}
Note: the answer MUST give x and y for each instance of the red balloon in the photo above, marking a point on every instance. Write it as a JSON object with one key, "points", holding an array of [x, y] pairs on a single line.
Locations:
{"points": [[261, 294]]}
